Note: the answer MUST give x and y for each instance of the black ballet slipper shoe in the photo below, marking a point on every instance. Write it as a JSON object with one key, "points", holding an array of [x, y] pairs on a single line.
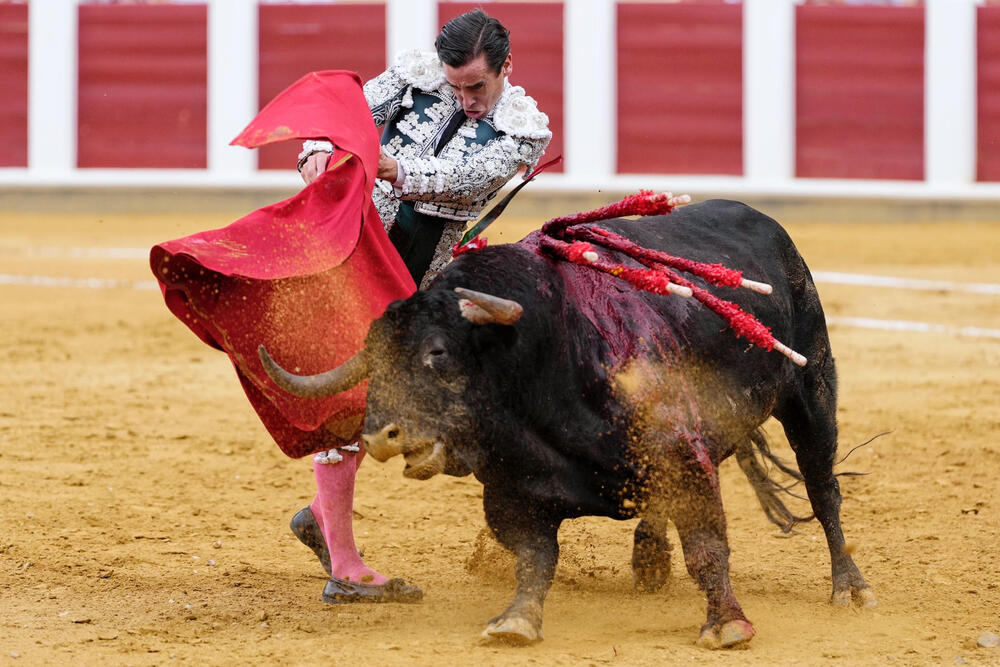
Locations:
{"points": [[340, 591], [304, 527]]}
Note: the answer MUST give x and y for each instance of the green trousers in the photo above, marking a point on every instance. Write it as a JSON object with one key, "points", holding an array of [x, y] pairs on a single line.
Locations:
{"points": [[415, 237]]}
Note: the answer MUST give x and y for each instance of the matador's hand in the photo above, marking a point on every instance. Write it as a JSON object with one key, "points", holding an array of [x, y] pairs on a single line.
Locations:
{"points": [[388, 168], [314, 165]]}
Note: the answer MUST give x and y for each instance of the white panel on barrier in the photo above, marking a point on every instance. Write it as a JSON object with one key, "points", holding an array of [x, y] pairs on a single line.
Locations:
{"points": [[768, 90], [52, 86], [590, 94], [232, 83], [950, 91], [410, 24]]}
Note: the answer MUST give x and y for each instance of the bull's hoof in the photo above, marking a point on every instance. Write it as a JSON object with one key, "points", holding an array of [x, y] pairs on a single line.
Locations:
{"points": [[859, 597], [650, 579], [650, 559], [513, 630], [732, 634]]}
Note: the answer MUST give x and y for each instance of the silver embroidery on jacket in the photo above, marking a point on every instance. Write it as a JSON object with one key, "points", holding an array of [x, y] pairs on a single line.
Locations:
{"points": [[468, 171]]}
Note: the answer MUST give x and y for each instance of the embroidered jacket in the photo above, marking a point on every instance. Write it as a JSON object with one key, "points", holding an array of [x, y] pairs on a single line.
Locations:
{"points": [[413, 103]]}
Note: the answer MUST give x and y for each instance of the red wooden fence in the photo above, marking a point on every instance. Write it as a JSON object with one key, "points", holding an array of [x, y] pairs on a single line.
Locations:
{"points": [[988, 131], [859, 81], [142, 86], [298, 39], [680, 88], [14, 84], [142, 78]]}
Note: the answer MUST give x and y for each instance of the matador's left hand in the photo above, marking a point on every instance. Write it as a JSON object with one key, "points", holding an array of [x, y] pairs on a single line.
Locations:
{"points": [[388, 168]]}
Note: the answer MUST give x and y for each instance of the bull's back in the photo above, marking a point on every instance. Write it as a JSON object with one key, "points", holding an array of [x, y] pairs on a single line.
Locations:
{"points": [[735, 384], [718, 231], [607, 321], [739, 237]]}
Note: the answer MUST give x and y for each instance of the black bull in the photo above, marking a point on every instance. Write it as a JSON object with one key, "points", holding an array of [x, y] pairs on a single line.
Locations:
{"points": [[627, 412]]}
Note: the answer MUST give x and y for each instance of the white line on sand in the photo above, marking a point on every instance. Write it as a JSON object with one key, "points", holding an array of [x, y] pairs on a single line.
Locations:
{"points": [[905, 325], [903, 283], [80, 283], [833, 277], [819, 276], [59, 252]]}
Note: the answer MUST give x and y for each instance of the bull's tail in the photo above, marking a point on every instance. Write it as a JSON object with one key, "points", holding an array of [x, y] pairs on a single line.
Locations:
{"points": [[751, 456]]}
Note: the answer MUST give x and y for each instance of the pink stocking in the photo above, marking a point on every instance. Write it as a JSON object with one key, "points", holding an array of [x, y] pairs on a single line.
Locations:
{"points": [[333, 508]]}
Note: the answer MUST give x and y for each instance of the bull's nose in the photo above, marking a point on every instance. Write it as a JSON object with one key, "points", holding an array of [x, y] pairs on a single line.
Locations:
{"points": [[385, 444]]}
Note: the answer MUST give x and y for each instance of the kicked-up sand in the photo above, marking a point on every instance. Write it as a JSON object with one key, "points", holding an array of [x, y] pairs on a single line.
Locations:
{"points": [[144, 509]]}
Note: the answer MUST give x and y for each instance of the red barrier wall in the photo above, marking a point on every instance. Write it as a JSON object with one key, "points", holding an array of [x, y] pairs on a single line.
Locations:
{"points": [[988, 134], [298, 39], [680, 88], [142, 86], [536, 43], [859, 92], [14, 84]]}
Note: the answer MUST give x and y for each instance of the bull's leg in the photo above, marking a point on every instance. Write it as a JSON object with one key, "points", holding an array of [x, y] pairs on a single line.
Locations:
{"points": [[535, 544], [650, 555], [810, 424], [694, 504]]}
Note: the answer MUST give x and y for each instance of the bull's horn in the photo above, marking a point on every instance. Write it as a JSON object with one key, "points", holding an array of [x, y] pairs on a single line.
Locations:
{"points": [[500, 311], [334, 381]]}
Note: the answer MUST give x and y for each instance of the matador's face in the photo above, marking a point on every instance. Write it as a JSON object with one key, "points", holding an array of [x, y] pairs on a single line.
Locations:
{"points": [[477, 87]]}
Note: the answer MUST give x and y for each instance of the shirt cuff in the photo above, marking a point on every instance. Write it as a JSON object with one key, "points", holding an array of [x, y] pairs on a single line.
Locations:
{"points": [[397, 184], [313, 146]]}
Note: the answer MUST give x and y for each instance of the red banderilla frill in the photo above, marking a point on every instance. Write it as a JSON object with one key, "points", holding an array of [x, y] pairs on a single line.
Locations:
{"points": [[576, 244]]}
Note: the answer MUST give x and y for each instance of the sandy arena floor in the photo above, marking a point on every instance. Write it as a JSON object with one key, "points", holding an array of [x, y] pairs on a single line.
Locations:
{"points": [[144, 510]]}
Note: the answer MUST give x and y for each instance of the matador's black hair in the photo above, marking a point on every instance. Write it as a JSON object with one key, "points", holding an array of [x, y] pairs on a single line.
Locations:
{"points": [[465, 37]]}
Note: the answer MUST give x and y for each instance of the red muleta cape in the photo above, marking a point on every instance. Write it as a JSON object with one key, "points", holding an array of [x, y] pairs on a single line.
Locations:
{"points": [[305, 276]]}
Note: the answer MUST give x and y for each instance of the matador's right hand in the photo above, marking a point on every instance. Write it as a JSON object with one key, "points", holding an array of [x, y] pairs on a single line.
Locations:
{"points": [[314, 165]]}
